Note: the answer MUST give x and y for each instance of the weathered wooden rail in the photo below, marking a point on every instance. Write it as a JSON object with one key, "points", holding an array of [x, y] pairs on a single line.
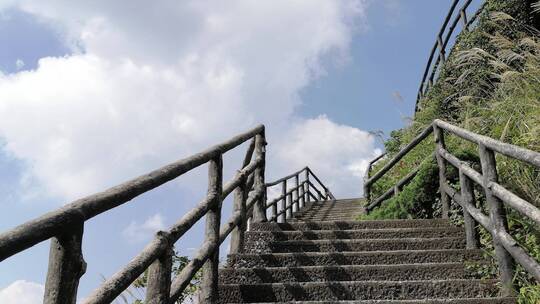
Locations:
{"points": [[65, 226], [507, 249], [440, 47]]}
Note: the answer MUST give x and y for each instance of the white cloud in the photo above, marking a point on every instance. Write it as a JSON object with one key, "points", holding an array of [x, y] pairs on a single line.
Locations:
{"points": [[22, 292], [338, 154], [148, 84], [136, 232]]}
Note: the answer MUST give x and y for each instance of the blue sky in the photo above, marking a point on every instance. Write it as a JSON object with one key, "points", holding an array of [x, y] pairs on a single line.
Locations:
{"points": [[98, 107]]}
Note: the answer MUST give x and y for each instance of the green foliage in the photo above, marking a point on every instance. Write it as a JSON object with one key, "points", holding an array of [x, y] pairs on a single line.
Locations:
{"points": [[490, 84], [136, 290], [529, 294], [415, 199]]}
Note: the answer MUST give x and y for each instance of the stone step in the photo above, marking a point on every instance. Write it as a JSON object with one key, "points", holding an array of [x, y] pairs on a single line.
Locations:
{"points": [[340, 218], [400, 272], [367, 245], [386, 233], [337, 202], [329, 208], [327, 217], [417, 301], [332, 208], [330, 219], [327, 213], [349, 225], [385, 257], [364, 290]]}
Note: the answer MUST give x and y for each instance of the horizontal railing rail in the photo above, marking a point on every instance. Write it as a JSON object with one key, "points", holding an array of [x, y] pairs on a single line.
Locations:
{"points": [[65, 226], [507, 249], [440, 47]]}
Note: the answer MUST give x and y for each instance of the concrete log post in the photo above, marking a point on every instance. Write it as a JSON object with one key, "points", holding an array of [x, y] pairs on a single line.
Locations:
{"points": [[283, 216], [209, 281], [296, 193], [66, 266], [445, 199], [442, 56], [237, 236], [464, 20], [467, 198], [301, 196], [288, 213], [308, 198], [259, 210], [497, 215], [159, 278]]}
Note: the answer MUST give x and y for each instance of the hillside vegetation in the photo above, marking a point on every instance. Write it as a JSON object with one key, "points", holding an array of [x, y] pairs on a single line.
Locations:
{"points": [[490, 84]]}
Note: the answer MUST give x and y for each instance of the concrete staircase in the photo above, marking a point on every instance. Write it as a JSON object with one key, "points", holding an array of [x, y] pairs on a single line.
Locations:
{"points": [[324, 256]]}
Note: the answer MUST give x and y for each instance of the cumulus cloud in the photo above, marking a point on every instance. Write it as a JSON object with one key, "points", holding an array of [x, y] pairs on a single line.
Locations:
{"points": [[137, 232], [338, 154], [146, 85], [22, 292]]}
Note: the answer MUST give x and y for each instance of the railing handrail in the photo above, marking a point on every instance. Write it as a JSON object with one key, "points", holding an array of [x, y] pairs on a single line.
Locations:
{"points": [[327, 191], [65, 226], [44, 227], [392, 162], [441, 44], [270, 184], [496, 194], [298, 173], [294, 198]]}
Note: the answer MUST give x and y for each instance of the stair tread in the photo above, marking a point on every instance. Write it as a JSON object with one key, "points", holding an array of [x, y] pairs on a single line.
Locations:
{"points": [[348, 225], [405, 272], [352, 253], [374, 230], [491, 300], [358, 290], [355, 266], [367, 240], [374, 282]]}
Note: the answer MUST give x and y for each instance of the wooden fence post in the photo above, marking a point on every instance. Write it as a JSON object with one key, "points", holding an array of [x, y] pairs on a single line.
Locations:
{"points": [[66, 266], [159, 276], [237, 235], [497, 215], [445, 199], [209, 282], [283, 201], [467, 198], [259, 210]]}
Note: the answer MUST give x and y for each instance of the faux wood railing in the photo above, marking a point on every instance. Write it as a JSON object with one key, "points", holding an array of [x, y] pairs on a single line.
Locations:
{"points": [[65, 226], [440, 47], [506, 248], [295, 198]]}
